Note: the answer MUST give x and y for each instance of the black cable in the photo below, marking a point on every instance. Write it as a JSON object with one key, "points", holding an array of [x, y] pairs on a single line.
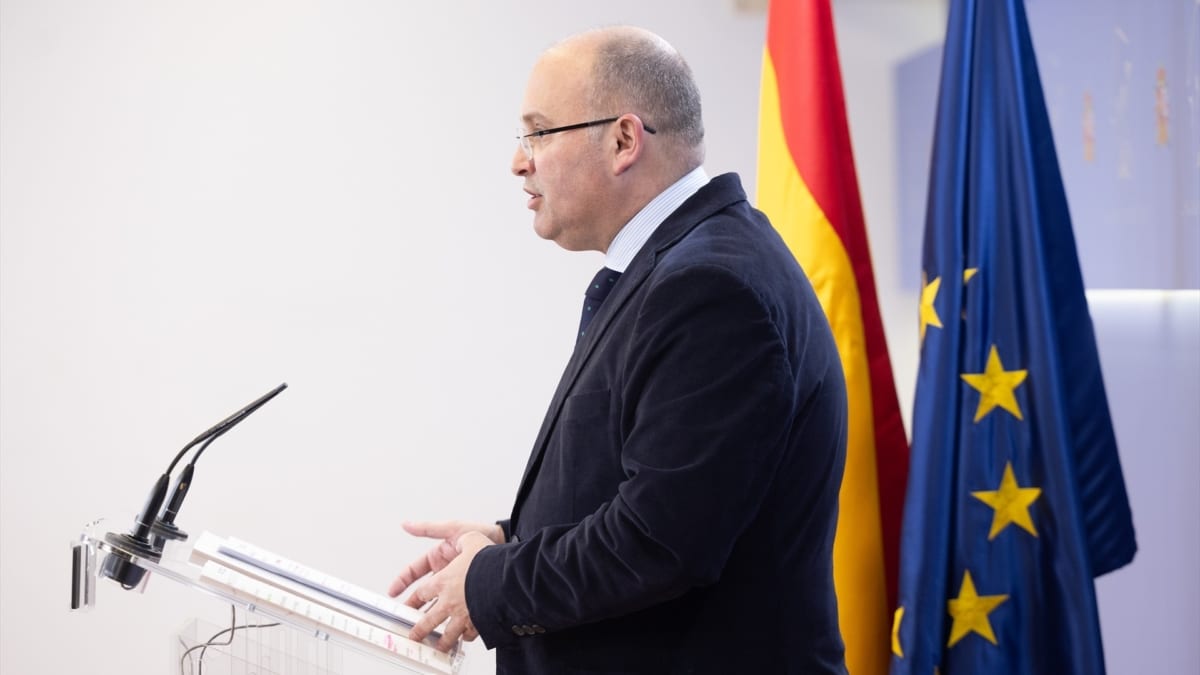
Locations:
{"points": [[212, 641]]}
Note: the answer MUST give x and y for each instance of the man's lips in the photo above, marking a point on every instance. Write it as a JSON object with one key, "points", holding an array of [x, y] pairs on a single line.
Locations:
{"points": [[533, 198]]}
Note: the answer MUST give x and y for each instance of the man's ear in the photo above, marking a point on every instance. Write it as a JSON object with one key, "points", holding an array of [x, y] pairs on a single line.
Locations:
{"points": [[630, 139]]}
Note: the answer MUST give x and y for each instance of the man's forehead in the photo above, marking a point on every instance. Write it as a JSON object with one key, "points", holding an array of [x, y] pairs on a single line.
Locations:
{"points": [[562, 66], [556, 87]]}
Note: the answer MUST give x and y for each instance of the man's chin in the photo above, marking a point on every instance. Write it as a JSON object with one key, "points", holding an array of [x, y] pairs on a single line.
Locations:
{"points": [[561, 237], [545, 231]]}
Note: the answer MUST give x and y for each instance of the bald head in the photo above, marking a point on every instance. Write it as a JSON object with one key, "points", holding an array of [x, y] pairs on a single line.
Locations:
{"points": [[636, 71], [610, 119]]}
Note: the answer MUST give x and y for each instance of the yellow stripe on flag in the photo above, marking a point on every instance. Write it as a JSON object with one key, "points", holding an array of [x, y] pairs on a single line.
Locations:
{"points": [[857, 551]]}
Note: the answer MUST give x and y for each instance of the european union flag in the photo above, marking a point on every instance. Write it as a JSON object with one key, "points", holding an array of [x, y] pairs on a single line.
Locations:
{"points": [[1015, 497]]}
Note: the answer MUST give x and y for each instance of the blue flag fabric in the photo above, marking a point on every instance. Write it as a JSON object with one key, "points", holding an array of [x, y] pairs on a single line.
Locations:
{"points": [[1016, 499]]}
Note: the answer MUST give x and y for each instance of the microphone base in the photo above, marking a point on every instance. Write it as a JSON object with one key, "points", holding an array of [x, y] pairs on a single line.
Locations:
{"points": [[163, 529], [119, 565]]}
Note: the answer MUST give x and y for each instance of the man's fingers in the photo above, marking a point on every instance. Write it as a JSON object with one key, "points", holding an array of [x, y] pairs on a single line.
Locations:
{"points": [[451, 633], [416, 570], [434, 560], [471, 632], [445, 552], [418, 598], [433, 530], [425, 626]]}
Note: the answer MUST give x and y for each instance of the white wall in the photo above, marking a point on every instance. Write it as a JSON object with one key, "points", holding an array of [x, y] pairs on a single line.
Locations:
{"points": [[201, 200], [1149, 342]]}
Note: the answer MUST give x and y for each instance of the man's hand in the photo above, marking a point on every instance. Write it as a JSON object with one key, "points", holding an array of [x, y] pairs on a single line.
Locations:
{"points": [[439, 556], [447, 590], [449, 568]]}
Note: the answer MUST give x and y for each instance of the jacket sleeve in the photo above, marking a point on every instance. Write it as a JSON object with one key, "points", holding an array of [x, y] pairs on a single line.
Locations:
{"points": [[707, 400]]}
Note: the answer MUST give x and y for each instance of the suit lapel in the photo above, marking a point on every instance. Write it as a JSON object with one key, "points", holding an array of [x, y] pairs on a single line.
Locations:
{"points": [[719, 193]]}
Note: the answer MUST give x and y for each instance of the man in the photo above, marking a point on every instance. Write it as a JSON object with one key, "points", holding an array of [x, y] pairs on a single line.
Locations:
{"points": [[678, 510]]}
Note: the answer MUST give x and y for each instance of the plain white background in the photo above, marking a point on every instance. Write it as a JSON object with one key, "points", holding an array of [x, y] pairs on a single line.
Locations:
{"points": [[202, 200]]}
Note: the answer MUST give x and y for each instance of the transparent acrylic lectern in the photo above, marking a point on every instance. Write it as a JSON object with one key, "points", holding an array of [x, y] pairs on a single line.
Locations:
{"points": [[299, 617]]}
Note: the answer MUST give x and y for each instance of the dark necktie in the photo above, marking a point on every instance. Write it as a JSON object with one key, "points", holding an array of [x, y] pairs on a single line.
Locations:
{"points": [[596, 292]]}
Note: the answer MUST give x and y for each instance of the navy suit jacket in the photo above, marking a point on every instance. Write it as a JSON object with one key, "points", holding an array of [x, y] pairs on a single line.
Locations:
{"points": [[678, 510]]}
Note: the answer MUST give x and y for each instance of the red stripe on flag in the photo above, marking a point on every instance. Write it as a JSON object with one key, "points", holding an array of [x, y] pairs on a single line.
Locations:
{"points": [[803, 49]]}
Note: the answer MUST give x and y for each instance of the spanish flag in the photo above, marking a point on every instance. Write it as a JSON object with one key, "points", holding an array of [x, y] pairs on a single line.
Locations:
{"points": [[808, 188]]}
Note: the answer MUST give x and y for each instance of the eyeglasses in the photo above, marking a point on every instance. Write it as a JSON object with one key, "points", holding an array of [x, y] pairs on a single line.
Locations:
{"points": [[527, 144]]}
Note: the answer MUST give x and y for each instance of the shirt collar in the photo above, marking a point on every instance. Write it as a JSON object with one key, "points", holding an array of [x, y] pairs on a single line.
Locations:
{"points": [[637, 231]]}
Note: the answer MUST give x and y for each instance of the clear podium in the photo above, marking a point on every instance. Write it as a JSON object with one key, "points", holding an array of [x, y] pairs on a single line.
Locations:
{"points": [[296, 619]]}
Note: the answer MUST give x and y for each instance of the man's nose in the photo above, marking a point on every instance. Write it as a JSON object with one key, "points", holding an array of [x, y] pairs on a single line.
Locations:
{"points": [[521, 164]]}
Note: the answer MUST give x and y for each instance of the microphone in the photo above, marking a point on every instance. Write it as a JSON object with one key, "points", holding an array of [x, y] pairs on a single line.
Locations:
{"points": [[164, 526], [119, 565]]}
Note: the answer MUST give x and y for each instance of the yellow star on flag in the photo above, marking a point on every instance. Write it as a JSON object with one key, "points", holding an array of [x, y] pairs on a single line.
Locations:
{"points": [[1011, 502], [929, 315], [970, 611], [899, 616], [968, 274], [996, 385]]}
